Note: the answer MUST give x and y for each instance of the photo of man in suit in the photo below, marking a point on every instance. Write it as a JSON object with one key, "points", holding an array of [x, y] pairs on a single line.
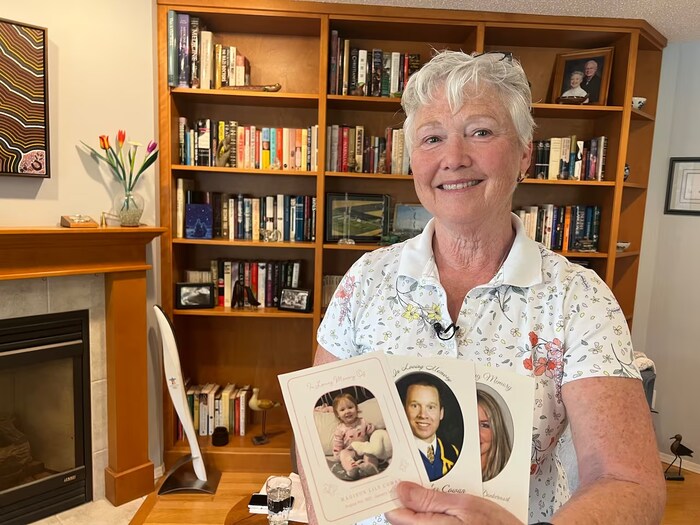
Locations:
{"points": [[425, 411], [591, 82]]}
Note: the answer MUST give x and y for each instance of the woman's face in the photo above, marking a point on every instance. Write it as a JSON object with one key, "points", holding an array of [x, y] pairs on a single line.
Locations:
{"points": [[485, 436], [466, 165], [576, 80], [346, 411]]}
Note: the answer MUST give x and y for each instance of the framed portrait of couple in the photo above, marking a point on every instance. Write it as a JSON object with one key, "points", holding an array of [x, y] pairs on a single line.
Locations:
{"points": [[583, 77]]}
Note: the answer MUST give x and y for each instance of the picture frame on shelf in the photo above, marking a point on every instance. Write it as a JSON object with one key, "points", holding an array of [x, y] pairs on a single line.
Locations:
{"points": [[295, 300], [361, 217], [194, 295], [683, 187], [410, 218], [24, 101], [583, 77]]}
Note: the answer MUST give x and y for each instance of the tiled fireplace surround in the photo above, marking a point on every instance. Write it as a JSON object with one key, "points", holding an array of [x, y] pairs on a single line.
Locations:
{"points": [[19, 298], [52, 269]]}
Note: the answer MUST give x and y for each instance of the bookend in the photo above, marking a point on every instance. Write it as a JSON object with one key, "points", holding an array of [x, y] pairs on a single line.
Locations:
{"points": [[188, 474]]}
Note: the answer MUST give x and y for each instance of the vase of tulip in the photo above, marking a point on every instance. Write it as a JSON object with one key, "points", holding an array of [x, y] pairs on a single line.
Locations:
{"points": [[128, 205], [129, 208]]}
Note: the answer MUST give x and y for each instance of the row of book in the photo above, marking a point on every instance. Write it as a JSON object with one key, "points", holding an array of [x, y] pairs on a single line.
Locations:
{"points": [[350, 149], [212, 405], [195, 60], [225, 143], [368, 72], [280, 217], [573, 228], [266, 279], [566, 158]]}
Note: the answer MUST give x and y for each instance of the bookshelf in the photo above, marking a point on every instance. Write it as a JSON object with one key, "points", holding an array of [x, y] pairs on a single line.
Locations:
{"points": [[289, 42]]}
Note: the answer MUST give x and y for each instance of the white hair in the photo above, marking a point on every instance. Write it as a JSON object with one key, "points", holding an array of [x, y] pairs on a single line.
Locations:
{"points": [[458, 75]]}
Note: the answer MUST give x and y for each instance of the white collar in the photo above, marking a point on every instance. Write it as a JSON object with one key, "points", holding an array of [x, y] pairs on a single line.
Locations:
{"points": [[522, 267]]}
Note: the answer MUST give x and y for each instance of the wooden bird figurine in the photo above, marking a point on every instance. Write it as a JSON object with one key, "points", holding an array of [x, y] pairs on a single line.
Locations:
{"points": [[679, 450], [261, 405]]}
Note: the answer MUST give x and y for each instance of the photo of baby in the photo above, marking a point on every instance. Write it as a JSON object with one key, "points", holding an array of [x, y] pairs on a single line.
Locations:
{"points": [[353, 434]]}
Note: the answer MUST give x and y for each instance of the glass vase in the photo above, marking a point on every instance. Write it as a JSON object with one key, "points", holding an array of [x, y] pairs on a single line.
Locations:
{"points": [[129, 208]]}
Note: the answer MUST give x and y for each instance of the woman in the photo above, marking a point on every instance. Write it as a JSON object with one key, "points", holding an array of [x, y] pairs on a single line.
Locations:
{"points": [[512, 302], [494, 439], [575, 89]]}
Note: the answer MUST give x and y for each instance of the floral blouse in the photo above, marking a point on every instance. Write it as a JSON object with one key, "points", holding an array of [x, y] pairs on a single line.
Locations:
{"points": [[540, 316]]}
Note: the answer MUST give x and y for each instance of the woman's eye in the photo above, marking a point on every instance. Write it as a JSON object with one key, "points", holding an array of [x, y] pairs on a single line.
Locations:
{"points": [[482, 133], [431, 140]]}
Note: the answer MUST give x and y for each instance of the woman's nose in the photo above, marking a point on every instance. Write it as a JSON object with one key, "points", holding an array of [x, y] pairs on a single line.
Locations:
{"points": [[455, 153]]}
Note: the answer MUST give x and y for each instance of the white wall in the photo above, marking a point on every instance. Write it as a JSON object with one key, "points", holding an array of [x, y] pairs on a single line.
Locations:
{"points": [[102, 77], [668, 290]]}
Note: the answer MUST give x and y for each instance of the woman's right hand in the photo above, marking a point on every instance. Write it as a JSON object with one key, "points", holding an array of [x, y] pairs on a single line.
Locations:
{"points": [[423, 505]]}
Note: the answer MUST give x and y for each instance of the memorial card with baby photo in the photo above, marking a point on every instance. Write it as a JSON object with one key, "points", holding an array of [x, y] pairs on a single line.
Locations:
{"points": [[439, 399], [505, 406], [352, 437]]}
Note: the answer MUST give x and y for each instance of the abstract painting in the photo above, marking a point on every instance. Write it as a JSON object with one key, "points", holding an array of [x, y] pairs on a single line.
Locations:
{"points": [[24, 115]]}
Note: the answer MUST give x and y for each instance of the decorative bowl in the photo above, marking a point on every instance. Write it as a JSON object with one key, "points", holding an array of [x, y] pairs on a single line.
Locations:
{"points": [[638, 102], [622, 245]]}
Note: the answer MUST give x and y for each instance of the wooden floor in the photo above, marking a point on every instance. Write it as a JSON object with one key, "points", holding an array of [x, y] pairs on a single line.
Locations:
{"points": [[682, 508]]}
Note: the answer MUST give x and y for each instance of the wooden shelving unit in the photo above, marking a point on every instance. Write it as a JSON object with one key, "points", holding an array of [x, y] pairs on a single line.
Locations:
{"points": [[288, 42]]}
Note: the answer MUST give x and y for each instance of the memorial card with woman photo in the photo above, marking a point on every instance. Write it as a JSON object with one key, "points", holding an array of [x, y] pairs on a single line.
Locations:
{"points": [[505, 404], [352, 437], [439, 399]]}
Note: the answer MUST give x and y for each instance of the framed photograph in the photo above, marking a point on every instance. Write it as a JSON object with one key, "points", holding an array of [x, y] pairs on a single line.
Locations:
{"points": [[357, 216], [583, 77], [24, 101], [410, 218], [295, 299], [194, 295], [683, 189]]}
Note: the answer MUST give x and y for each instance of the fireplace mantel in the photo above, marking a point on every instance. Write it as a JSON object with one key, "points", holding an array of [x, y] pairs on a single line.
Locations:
{"points": [[120, 254]]}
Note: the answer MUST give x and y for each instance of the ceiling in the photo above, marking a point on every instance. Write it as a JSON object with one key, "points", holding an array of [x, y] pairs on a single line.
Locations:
{"points": [[677, 20]]}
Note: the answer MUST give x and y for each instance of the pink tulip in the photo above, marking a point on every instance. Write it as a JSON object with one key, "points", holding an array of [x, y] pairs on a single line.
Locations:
{"points": [[151, 147]]}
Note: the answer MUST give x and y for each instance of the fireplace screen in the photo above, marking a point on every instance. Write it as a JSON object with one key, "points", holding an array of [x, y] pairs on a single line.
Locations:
{"points": [[45, 452]]}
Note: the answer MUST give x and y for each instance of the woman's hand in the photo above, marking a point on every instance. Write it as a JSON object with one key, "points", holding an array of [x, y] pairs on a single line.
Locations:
{"points": [[423, 505]]}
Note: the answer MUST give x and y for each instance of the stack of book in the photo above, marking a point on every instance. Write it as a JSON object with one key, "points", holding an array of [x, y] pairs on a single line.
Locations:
{"points": [[212, 405], [266, 279], [565, 228], [242, 217], [566, 158], [225, 143], [368, 72], [195, 60]]}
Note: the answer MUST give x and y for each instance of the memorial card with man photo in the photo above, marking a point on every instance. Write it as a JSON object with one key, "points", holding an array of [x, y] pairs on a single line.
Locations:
{"points": [[363, 424], [439, 400]]}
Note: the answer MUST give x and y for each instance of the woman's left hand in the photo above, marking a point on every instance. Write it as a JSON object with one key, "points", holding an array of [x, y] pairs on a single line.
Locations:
{"points": [[423, 505]]}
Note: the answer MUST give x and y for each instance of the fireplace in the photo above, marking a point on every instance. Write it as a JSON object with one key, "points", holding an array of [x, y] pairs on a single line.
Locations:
{"points": [[45, 443]]}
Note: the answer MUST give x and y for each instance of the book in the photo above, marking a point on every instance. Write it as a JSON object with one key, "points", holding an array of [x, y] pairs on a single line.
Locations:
{"points": [[195, 65], [206, 59], [198, 221], [172, 48], [182, 187]]}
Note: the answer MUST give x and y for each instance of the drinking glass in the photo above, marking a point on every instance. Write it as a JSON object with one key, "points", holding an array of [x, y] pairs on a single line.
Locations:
{"points": [[279, 499]]}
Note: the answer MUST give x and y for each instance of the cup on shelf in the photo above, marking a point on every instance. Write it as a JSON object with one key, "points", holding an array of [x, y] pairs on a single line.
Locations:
{"points": [[622, 245], [638, 102], [279, 499]]}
